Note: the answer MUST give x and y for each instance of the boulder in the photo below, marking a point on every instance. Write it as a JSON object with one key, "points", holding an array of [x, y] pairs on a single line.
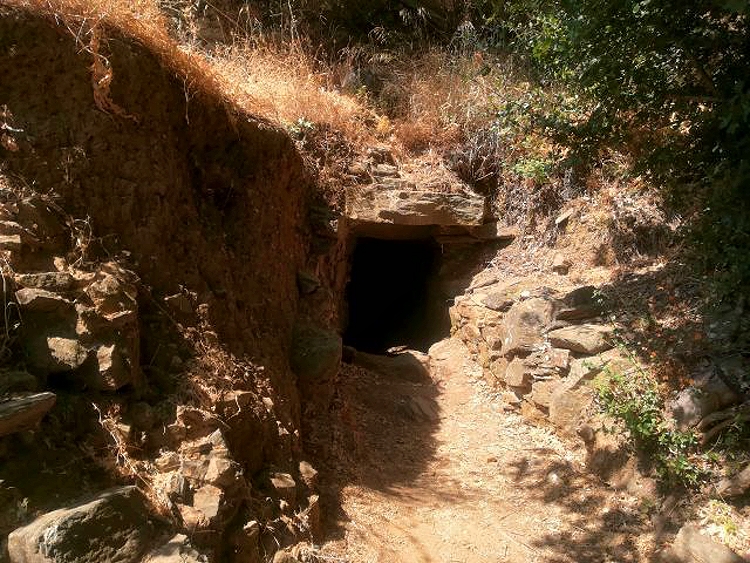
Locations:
{"points": [[55, 354], [207, 461], [315, 360], [10, 228], [113, 371], [284, 485], [402, 205], [112, 293], [562, 220], [24, 411], [693, 403], [11, 243], [542, 390], [497, 369], [384, 171], [208, 500], [573, 397], [579, 304], [584, 339], [494, 335], [560, 264], [524, 324], [50, 281], [538, 366], [569, 402], [690, 546], [309, 475], [113, 527], [517, 374], [472, 308], [511, 399]]}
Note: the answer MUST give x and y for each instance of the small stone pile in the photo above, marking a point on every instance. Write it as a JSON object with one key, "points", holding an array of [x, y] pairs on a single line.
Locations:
{"points": [[541, 346]]}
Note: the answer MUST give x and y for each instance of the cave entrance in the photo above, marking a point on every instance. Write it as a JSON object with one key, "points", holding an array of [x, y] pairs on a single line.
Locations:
{"points": [[393, 296]]}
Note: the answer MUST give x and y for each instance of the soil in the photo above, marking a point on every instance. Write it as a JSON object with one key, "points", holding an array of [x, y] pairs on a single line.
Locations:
{"points": [[437, 471]]}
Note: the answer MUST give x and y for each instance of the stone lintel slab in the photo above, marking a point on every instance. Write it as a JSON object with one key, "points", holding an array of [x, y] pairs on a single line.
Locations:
{"points": [[402, 206]]}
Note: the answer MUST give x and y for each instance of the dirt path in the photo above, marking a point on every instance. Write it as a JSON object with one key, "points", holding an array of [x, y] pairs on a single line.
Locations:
{"points": [[435, 471]]}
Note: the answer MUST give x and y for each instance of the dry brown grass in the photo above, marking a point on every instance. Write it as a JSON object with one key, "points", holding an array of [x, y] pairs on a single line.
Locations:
{"points": [[283, 85], [280, 80], [447, 96], [92, 21]]}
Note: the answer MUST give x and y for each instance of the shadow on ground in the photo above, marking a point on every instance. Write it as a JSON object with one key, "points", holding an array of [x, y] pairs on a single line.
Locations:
{"points": [[378, 434], [600, 526]]}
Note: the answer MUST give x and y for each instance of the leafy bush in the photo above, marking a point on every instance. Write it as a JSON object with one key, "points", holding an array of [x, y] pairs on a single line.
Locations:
{"points": [[667, 79], [636, 402]]}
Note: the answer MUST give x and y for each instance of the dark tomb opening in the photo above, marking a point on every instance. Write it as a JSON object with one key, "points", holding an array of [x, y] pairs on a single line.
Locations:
{"points": [[393, 295]]}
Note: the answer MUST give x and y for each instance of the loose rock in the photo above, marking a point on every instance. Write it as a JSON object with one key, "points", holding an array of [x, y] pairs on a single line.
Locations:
{"points": [[23, 412], [690, 546], [694, 403], [50, 281], [284, 485], [736, 485], [41, 300], [584, 339], [524, 324], [113, 527], [176, 550], [560, 264]]}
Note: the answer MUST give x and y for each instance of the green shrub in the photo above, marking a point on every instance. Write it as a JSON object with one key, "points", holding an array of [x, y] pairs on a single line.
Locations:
{"points": [[635, 401]]}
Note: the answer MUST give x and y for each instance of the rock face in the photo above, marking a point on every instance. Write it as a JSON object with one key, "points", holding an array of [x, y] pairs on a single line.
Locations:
{"points": [[541, 348], [401, 205], [115, 527], [82, 323]]}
